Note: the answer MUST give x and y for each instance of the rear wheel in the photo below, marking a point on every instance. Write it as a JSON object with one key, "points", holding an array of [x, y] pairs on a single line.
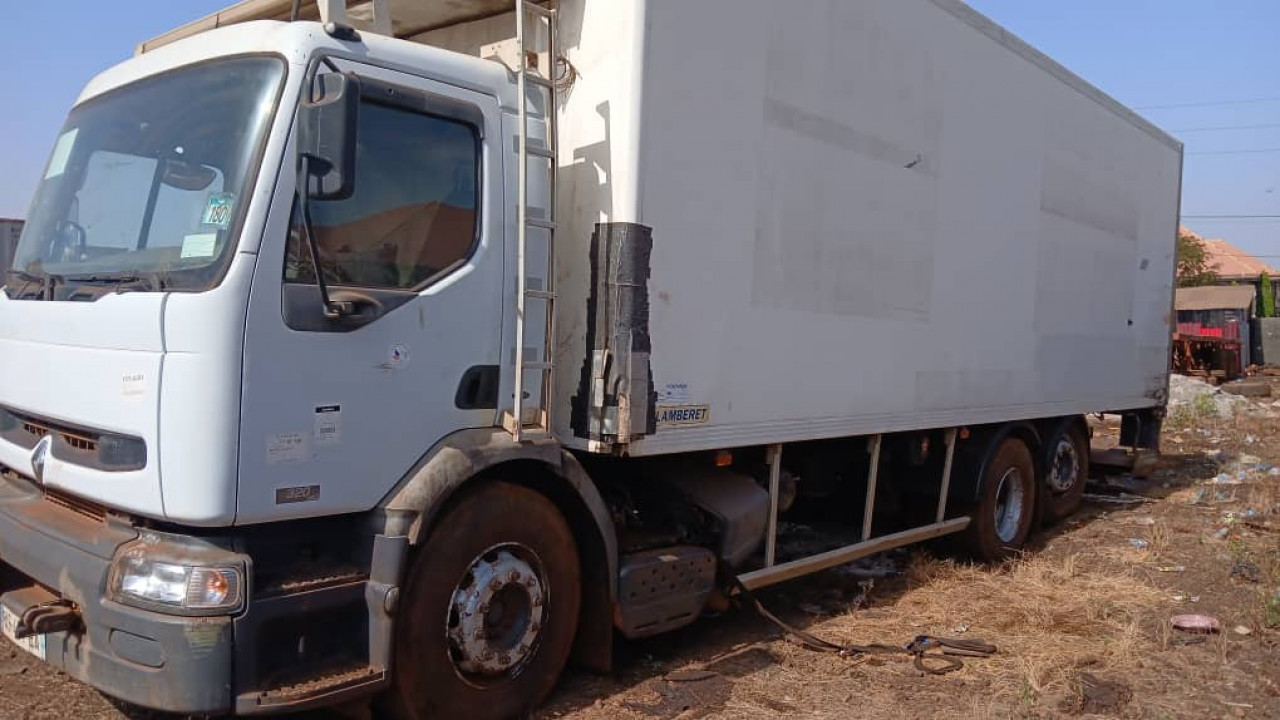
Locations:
{"points": [[1001, 518], [490, 609], [1066, 469]]}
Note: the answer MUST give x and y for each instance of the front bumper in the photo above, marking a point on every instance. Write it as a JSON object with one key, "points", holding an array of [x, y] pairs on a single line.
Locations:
{"points": [[155, 660]]}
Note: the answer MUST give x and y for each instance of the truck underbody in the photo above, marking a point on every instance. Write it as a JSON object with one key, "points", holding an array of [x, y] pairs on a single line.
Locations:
{"points": [[327, 597]]}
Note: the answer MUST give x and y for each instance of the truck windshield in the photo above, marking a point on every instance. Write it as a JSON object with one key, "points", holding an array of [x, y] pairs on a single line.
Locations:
{"points": [[146, 184]]}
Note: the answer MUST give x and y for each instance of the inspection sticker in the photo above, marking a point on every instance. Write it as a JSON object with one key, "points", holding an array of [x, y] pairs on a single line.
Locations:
{"points": [[198, 245], [328, 430], [286, 447], [217, 211], [676, 415]]}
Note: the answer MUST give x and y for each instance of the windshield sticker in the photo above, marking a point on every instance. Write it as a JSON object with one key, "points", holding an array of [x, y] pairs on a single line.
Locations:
{"points": [[199, 245], [217, 211], [61, 153], [328, 430]]}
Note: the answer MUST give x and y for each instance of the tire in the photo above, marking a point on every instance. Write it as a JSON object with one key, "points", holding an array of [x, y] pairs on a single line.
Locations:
{"points": [[1003, 514], [1065, 460], [451, 616]]}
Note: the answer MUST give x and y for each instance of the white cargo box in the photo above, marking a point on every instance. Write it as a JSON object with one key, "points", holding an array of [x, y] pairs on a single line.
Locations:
{"points": [[865, 217]]}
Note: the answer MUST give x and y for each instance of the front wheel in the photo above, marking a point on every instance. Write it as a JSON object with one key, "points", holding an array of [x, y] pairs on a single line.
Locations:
{"points": [[490, 609], [1002, 516]]}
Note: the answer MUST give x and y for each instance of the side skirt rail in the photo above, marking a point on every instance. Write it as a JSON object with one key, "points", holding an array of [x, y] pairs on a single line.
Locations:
{"points": [[822, 561]]}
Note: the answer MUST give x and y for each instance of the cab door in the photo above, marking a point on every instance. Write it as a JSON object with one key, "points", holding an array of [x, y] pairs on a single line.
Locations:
{"points": [[336, 411]]}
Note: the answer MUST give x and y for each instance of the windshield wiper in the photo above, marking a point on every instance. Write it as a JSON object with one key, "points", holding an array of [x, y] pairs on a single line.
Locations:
{"points": [[119, 280], [103, 279]]}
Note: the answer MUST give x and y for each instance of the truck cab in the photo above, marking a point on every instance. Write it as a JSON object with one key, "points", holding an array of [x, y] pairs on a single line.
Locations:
{"points": [[178, 389]]}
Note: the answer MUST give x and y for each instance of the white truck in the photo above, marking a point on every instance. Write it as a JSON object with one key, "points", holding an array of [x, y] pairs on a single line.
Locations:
{"points": [[410, 353]]}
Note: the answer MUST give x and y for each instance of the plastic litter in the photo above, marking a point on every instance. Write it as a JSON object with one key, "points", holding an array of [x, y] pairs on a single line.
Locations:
{"points": [[1139, 544], [1172, 568], [1201, 624]]}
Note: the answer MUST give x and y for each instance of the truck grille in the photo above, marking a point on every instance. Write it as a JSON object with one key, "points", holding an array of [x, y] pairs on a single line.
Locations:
{"points": [[87, 447], [33, 430], [66, 501], [80, 506]]}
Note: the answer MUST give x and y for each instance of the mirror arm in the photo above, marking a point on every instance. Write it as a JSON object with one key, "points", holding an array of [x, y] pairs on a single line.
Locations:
{"points": [[330, 308]]}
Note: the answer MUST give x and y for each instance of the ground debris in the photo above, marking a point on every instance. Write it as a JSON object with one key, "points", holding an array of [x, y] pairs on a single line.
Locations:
{"points": [[1247, 571], [1092, 695]]}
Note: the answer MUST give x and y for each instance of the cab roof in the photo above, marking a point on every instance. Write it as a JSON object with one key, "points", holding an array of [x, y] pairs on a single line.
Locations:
{"points": [[408, 17]]}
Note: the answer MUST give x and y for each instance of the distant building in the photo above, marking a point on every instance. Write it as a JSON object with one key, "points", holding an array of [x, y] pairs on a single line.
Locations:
{"points": [[1235, 266], [10, 229], [1214, 329]]}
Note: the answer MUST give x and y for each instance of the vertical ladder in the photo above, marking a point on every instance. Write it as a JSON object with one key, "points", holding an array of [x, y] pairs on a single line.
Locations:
{"points": [[515, 422]]}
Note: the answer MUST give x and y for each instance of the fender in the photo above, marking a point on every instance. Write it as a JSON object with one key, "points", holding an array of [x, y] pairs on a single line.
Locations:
{"points": [[983, 441], [415, 503]]}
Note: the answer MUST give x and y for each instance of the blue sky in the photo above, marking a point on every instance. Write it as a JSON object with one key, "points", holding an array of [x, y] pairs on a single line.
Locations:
{"points": [[1149, 54]]}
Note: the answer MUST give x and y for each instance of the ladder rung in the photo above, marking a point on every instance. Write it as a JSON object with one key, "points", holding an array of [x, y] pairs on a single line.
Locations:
{"points": [[533, 429], [538, 80], [540, 152], [537, 365], [538, 10], [540, 294], [544, 224]]}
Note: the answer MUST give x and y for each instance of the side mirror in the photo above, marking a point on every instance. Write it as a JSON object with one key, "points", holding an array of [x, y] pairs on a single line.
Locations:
{"points": [[327, 136]]}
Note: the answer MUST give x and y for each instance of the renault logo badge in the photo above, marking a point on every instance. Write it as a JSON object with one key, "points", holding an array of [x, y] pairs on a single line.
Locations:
{"points": [[39, 456]]}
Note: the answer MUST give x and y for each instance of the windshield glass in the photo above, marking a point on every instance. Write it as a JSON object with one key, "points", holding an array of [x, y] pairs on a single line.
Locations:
{"points": [[148, 182]]}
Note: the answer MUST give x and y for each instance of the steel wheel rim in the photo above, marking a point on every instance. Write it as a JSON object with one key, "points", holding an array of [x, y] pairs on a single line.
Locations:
{"points": [[1066, 466], [1008, 510], [496, 614]]}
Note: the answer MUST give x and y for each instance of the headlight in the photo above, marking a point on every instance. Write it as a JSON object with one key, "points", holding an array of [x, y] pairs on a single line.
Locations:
{"points": [[137, 580]]}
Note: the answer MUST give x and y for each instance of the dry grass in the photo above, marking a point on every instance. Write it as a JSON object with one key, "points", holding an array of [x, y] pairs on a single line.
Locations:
{"points": [[1049, 617]]}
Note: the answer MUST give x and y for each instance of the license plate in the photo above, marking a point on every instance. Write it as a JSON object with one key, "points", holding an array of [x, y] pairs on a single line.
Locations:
{"points": [[34, 644]]}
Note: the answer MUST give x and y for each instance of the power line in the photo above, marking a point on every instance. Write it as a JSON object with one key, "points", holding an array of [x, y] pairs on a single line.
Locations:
{"points": [[1266, 126], [1231, 217], [1212, 103], [1251, 151]]}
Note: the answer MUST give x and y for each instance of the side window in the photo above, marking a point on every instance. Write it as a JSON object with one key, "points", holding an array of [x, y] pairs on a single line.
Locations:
{"points": [[413, 213]]}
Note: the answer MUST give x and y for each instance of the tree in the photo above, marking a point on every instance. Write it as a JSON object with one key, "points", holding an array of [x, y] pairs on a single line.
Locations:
{"points": [[1193, 262], [1268, 308]]}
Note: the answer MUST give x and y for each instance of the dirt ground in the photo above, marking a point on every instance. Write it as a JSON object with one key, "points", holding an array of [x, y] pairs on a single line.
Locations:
{"points": [[1081, 621]]}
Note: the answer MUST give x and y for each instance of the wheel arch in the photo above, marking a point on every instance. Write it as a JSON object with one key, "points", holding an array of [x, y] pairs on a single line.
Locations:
{"points": [[981, 446], [471, 456]]}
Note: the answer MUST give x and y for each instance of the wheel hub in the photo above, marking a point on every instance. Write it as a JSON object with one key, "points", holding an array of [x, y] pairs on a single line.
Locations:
{"points": [[1066, 466], [1008, 512], [496, 611]]}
